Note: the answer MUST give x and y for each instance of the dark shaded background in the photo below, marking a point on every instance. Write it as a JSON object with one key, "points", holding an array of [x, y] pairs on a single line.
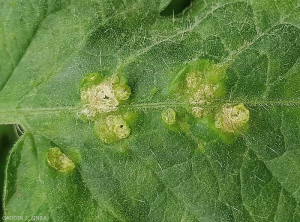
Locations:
{"points": [[176, 7], [7, 139]]}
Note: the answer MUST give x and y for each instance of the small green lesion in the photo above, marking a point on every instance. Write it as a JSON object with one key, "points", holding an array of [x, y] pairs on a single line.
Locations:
{"points": [[176, 119], [59, 161], [90, 80], [169, 116], [122, 92], [154, 91], [112, 128]]}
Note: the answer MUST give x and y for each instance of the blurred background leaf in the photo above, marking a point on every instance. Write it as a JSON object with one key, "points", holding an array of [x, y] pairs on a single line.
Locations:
{"points": [[176, 7]]}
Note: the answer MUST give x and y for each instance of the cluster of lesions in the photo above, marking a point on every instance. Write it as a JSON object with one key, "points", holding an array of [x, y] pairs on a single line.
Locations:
{"points": [[101, 98], [201, 85]]}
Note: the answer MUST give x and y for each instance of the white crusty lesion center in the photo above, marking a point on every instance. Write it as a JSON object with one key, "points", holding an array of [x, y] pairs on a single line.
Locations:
{"points": [[203, 94], [104, 97], [200, 93], [232, 119], [99, 99]]}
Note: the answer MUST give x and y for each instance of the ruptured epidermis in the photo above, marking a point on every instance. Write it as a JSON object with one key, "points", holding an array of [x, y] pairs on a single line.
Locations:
{"points": [[200, 85], [101, 98], [104, 97], [203, 85]]}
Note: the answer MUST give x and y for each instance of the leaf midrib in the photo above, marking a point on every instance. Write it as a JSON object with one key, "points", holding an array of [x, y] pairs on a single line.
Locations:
{"points": [[153, 105]]}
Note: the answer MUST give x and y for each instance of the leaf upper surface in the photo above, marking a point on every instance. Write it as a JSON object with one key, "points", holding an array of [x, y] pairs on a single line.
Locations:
{"points": [[157, 173]]}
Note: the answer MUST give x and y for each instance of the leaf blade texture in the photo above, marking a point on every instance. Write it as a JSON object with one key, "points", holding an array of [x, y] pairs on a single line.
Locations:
{"points": [[187, 171]]}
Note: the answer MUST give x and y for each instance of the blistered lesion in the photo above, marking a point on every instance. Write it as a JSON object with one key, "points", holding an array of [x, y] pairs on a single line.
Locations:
{"points": [[232, 119], [101, 99], [169, 116], [193, 79], [202, 85], [203, 94], [112, 128], [199, 112], [59, 161]]}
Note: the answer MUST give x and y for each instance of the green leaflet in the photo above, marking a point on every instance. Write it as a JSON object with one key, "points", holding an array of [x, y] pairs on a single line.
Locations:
{"points": [[179, 172]]}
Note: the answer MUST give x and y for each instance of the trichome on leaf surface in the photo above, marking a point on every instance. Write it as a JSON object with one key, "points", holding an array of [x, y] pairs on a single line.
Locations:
{"points": [[131, 115]]}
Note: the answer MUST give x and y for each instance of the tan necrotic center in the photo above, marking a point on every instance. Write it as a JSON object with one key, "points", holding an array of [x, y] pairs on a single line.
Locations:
{"points": [[99, 99]]}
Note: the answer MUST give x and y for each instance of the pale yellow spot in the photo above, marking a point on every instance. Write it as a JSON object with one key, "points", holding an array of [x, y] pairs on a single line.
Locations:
{"points": [[198, 112], [59, 161], [169, 116], [204, 93], [232, 119], [192, 80], [201, 148]]}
